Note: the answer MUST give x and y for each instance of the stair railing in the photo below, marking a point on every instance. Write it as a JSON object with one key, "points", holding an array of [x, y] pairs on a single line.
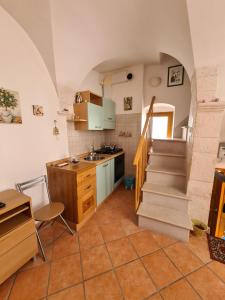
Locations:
{"points": [[142, 154]]}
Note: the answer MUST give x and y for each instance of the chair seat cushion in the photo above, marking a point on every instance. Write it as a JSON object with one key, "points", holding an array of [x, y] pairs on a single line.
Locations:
{"points": [[49, 211]]}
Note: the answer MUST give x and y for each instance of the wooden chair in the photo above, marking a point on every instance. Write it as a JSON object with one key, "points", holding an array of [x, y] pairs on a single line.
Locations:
{"points": [[46, 213]]}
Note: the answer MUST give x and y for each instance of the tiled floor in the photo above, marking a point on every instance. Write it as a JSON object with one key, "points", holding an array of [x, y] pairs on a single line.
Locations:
{"points": [[111, 258]]}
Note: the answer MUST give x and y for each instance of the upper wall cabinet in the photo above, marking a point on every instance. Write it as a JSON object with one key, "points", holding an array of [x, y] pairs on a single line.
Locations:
{"points": [[94, 113], [88, 116], [88, 113], [109, 114]]}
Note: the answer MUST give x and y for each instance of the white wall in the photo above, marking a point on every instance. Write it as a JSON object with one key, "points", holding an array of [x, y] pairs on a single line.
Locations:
{"points": [[178, 96], [207, 27], [25, 148], [34, 16], [132, 88]]}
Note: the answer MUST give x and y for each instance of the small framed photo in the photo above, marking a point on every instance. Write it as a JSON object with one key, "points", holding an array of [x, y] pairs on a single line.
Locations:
{"points": [[175, 75], [38, 110], [128, 102]]}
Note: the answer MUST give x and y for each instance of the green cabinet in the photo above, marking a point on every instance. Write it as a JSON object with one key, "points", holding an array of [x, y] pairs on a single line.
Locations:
{"points": [[109, 119], [104, 180], [95, 117], [88, 116]]}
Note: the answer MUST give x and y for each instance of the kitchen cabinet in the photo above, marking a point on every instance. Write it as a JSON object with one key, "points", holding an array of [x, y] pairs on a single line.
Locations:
{"points": [[88, 116], [109, 121], [75, 186], [104, 180]]}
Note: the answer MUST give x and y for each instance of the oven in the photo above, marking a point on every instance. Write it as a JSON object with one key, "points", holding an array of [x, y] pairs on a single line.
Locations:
{"points": [[119, 167]]}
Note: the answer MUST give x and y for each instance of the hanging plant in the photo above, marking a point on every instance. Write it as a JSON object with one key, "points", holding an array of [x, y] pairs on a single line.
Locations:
{"points": [[7, 99]]}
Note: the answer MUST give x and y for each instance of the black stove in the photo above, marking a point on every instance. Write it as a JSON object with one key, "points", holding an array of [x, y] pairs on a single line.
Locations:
{"points": [[108, 150]]}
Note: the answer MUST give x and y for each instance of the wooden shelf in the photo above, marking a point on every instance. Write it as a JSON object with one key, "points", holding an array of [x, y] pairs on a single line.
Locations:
{"points": [[13, 223], [88, 96], [12, 213]]}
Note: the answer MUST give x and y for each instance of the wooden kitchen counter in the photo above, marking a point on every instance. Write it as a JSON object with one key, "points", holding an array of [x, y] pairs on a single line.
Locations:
{"points": [[107, 157], [75, 186]]}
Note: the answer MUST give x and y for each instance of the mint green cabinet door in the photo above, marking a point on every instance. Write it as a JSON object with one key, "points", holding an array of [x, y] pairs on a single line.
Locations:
{"points": [[109, 110], [95, 117], [112, 170], [101, 183]]}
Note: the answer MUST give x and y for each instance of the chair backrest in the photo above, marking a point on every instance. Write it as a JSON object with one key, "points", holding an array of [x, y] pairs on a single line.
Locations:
{"points": [[22, 186]]}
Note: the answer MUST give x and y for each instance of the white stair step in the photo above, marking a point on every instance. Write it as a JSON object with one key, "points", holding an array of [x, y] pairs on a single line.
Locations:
{"points": [[168, 161], [164, 190], [164, 169], [166, 154], [164, 220], [174, 146], [165, 196]]}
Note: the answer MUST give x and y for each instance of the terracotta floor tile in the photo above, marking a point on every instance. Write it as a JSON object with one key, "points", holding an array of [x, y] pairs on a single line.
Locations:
{"points": [[218, 268], [163, 240], [161, 269], [183, 258], [95, 261], [90, 237], [135, 281], [75, 292], [31, 284], [207, 284], [199, 246], [65, 245], [143, 242], [106, 216], [121, 251], [49, 233], [130, 226], [112, 232], [5, 288], [103, 287], [181, 290], [155, 297], [65, 272]]}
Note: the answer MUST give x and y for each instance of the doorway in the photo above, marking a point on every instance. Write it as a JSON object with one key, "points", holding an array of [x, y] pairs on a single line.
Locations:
{"points": [[162, 125]]}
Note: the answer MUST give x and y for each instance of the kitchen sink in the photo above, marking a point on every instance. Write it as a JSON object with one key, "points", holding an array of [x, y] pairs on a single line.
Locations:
{"points": [[94, 158]]}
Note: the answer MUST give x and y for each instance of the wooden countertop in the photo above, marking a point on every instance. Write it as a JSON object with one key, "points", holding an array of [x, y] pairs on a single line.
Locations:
{"points": [[78, 168], [83, 164], [107, 157]]}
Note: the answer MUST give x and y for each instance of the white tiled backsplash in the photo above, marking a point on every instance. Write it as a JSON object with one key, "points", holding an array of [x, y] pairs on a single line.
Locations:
{"points": [[81, 141]]}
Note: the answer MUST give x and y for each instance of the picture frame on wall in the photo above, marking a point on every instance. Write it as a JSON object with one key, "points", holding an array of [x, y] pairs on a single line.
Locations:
{"points": [[175, 75], [128, 103]]}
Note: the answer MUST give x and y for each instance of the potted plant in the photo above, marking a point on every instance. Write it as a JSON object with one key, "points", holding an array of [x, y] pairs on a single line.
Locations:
{"points": [[7, 100]]}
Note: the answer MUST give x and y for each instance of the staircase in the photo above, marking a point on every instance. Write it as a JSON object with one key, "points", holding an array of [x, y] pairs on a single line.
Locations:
{"points": [[164, 206]]}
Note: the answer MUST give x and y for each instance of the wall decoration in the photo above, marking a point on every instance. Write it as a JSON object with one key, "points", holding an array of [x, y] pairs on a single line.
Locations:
{"points": [[175, 75], [128, 102], [55, 128], [38, 110], [10, 111]]}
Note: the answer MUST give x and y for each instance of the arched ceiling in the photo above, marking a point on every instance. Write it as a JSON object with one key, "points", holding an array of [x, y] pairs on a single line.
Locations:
{"points": [[84, 33]]}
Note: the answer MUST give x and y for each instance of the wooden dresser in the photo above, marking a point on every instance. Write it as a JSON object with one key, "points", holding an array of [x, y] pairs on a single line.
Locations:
{"points": [[18, 242], [75, 186]]}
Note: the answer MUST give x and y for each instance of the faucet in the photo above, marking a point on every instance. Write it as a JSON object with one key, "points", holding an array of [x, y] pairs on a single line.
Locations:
{"points": [[92, 153]]}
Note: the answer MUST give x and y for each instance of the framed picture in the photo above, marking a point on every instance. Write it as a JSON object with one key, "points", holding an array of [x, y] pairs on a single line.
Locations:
{"points": [[10, 110], [38, 110], [175, 75], [128, 103]]}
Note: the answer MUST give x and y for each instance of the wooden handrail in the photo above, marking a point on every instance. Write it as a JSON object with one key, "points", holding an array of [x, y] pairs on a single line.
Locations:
{"points": [[141, 157]]}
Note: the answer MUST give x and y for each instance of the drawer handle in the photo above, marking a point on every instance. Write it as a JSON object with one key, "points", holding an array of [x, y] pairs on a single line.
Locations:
{"points": [[88, 175], [106, 165], [88, 187], [109, 118]]}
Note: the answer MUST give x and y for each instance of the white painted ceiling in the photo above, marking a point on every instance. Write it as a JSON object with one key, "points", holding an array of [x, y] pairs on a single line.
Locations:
{"points": [[75, 36]]}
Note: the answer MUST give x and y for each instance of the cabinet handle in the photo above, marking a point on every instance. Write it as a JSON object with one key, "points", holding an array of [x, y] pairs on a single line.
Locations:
{"points": [[106, 165], [88, 187], [88, 175], [109, 118]]}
